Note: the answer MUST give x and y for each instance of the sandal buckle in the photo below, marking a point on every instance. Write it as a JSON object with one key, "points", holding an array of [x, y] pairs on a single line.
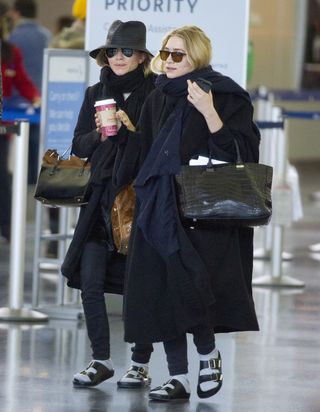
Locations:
{"points": [[215, 363]]}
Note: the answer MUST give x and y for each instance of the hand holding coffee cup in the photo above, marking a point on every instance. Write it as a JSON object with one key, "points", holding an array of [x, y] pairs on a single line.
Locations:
{"points": [[106, 119]]}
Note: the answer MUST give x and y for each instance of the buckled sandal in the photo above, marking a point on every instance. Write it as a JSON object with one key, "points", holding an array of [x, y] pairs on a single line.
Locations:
{"points": [[96, 372], [216, 365], [135, 377], [173, 390]]}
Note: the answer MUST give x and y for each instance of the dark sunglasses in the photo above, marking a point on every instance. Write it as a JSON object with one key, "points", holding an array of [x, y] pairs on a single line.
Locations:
{"points": [[124, 50], [175, 55]]}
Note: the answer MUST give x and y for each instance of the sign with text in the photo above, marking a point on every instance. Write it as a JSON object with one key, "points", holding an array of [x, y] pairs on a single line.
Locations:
{"points": [[65, 81], [226, 23]]}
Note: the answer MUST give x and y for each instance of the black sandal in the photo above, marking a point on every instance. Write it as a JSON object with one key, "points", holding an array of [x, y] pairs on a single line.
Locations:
{"points": [[102, 374], [215, 364], [174, 389], [135, 377]]}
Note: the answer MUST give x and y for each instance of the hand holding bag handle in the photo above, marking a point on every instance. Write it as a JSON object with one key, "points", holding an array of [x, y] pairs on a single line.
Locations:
{"points": [[226, 194]]}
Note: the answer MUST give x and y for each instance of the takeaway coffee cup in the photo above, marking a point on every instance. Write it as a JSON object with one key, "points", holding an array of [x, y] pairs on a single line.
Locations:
{"points": [[107, 112]]}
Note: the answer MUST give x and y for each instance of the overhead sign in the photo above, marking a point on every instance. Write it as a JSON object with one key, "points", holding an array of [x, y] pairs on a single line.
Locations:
{"points": [[226, 22]]}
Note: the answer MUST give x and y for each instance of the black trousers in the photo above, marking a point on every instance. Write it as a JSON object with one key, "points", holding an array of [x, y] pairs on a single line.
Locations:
{"points": [[5, 188], [94, 261], [176, 349]]}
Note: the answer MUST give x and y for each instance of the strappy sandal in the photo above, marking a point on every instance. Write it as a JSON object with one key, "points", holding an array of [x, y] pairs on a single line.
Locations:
{"points": [[173, 390], [96, 372], [135, 377], [216, 365]]}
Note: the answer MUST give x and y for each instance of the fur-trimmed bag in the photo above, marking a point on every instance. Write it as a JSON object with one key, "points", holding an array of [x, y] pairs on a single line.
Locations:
{"points": [[121, 218]]}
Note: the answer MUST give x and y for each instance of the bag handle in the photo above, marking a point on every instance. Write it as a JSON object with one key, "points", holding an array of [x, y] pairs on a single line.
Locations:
{"points": [[239, 161], [53, 170]]}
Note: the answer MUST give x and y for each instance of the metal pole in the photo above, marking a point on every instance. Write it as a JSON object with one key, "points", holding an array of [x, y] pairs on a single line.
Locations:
{"points": [[15, 311], [37, 248], [277, 278]]}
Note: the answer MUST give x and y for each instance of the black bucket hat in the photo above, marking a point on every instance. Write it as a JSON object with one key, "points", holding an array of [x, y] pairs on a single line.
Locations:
{"points": [[130, 34]]}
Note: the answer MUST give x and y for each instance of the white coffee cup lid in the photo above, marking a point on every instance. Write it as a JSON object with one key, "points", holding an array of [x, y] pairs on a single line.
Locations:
{"points": [[104, 102]]}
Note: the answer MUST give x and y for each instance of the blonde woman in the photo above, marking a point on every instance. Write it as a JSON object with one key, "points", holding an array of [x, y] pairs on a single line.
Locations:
{"points": [[183, 278]]}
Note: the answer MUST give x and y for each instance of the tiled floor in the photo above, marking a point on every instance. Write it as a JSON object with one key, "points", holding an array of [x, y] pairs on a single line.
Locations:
{"points": [[276, 369]]}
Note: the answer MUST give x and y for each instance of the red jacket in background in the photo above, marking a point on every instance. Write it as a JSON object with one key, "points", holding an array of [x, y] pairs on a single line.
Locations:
{"points": [[14, 75]]}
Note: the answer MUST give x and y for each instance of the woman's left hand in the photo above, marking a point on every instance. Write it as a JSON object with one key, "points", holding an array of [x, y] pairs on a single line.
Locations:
{"points": [[124, 118]]}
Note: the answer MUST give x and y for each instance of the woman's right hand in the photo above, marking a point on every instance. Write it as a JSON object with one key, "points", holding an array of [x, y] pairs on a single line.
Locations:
{"points": [[98, 127]]}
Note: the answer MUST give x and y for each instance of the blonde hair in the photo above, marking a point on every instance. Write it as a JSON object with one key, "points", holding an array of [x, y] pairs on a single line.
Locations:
{"points": [[102, 60], [198, 48]]}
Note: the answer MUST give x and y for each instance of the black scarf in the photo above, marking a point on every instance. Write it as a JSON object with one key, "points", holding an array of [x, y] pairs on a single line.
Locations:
{"points": [[115, 85]]}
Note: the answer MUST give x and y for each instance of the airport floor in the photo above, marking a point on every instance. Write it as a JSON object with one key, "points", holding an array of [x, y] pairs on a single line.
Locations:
{"points": [[275, 369]]}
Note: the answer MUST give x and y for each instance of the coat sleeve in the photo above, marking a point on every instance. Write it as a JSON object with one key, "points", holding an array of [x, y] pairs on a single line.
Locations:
{"points": [[133, 149], [86, 139], [236, 113]]}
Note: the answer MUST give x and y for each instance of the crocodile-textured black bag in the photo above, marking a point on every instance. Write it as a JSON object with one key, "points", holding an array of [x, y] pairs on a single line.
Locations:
{"points": [[226, 194]]}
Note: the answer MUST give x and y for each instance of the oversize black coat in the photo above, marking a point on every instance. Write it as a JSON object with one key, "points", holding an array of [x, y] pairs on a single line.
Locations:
{"points": [[163, 299], [102, 155]]}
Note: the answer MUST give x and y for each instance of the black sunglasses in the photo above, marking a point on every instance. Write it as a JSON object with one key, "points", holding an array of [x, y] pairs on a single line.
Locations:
{"points": [[175, 55], [124, 50]]}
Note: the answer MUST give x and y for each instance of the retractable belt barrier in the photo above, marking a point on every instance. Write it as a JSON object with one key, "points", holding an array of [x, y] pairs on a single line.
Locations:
{"points": [[15, 311], [272, 121]]}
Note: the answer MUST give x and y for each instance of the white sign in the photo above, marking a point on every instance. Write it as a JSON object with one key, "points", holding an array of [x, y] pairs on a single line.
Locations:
{"points": [[71, 69], [226, 22]]}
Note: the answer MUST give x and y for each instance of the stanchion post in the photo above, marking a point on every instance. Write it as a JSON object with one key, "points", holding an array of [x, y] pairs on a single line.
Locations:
{"points": [[15, 311], [277, 278], [264, 113]]}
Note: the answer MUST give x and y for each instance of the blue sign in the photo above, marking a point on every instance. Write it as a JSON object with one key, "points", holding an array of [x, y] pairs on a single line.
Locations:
{"points": [[63, 105], [65, 81]]}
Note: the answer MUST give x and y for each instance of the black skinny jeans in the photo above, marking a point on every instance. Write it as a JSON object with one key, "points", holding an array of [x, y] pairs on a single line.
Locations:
{"points": [[94, 261], [176, 349]]}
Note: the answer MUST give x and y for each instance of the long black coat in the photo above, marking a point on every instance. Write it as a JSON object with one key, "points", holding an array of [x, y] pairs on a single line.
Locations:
{"points": [[102, 155], [159, 297]]}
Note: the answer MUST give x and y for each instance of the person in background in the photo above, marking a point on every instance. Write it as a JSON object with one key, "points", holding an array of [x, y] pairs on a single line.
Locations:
{"points": [[31, 38], [182, 278], [13, 75], [62, 22], [92, 263], [73, 37]]}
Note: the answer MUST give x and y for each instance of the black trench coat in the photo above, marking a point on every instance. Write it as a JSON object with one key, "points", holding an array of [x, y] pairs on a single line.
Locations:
{"points": [[162, 299], [86, 143]]}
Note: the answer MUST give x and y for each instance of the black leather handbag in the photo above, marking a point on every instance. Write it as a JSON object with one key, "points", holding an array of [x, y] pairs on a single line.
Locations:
{"points": [[62, 182], [226, 194]]}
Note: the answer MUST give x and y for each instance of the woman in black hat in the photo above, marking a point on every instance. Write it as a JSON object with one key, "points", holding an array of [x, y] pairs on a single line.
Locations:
{"points": [[92, 263], [182, 278]]}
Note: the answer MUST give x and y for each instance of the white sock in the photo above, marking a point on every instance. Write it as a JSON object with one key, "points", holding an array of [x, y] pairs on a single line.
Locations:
{"points": [[206, 386], [183, 379], [84, 378]]}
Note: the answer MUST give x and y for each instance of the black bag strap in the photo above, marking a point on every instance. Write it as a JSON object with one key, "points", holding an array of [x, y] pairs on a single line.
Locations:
{"points": [[239, 161]]}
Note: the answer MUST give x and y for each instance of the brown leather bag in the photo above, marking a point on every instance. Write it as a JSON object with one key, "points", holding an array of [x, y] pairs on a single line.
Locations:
{"points": [[121, 218], [62, 182]]}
